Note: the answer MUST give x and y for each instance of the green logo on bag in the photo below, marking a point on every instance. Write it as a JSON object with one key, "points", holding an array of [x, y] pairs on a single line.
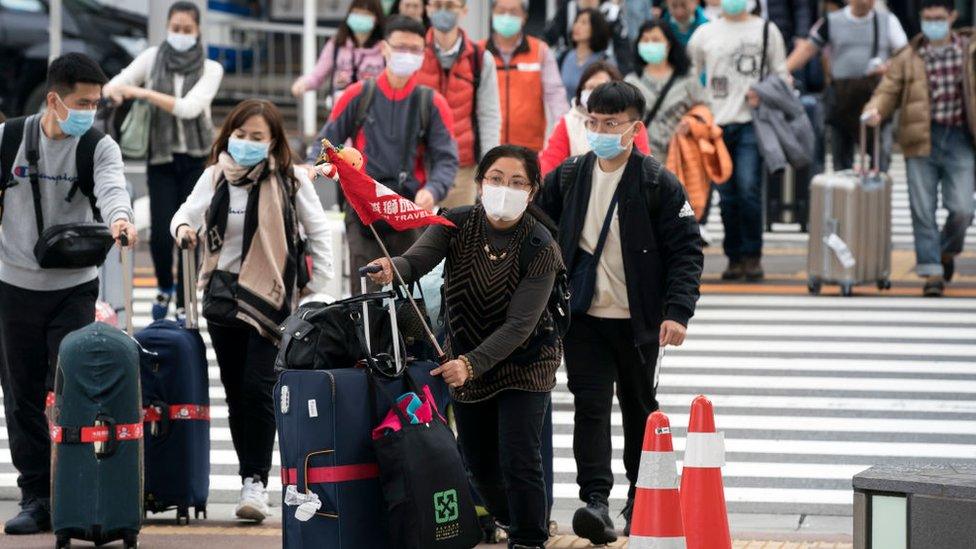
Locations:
{"points": [[446, 506]]}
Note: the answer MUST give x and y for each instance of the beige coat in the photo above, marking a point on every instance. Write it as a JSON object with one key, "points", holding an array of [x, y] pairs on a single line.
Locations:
{"points": [[905, 86]]}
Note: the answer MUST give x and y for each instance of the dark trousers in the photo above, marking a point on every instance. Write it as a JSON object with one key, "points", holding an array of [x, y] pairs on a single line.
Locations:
{"points": [[246, 361], [599, 353], [741, 196], [32, 325], [501, 440], [363, 248], [169, 185]]}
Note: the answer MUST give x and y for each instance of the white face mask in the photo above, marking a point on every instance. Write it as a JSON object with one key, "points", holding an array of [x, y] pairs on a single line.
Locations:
{"points": [[504, 203], [405, 64], [181, 42]]}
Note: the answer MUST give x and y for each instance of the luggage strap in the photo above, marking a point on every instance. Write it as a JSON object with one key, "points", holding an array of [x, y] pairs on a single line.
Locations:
{"points": [[152, 414], [329, 475], [96, 433]]}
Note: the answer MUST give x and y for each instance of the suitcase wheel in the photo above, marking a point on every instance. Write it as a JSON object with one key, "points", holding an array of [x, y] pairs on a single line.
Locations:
{"points": [[847, 290], [130, 541], [63, 542], [182, 516], [814, 286], [884, 284]]}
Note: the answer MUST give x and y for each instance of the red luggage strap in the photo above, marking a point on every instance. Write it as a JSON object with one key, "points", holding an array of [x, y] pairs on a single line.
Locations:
{"points": [[328, 475], [95, 433], [153, 414]]}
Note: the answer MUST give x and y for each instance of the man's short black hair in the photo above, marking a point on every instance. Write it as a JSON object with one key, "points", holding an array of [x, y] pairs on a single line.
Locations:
{"points": [[949, 5], [71, 69], [184, 7], [402, 23], [616, 97]]}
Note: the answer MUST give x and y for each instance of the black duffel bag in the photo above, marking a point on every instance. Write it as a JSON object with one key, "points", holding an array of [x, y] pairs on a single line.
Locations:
{"points": [[319, 336], [425, 484], [73, 246]]}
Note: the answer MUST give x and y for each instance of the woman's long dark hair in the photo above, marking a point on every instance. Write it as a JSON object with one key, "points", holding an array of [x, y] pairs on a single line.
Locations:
{"points": [[677, 55], [599, 29], [344, 33], [280, 150]]}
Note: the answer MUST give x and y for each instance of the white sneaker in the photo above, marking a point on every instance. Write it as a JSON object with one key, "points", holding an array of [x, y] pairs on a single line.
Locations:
{"points": [[705, 236], [253, 504]]}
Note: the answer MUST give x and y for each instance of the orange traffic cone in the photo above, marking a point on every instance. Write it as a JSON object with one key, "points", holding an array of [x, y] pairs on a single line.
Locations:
{"points": [[703, 509], [656, 522]]}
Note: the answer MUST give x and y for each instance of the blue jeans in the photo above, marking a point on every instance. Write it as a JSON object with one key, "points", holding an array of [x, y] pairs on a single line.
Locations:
{"points": [[951, 163], [741, 195]]}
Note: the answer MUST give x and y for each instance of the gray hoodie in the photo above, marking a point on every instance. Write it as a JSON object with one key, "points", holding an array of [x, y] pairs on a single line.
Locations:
{"points": [[58, 172]]}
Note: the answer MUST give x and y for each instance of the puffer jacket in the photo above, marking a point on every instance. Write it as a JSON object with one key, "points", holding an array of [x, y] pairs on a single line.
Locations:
{"points": [[906, 86], [699, 157]]}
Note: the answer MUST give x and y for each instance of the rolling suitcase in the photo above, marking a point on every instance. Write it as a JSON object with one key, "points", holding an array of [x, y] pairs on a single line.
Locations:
{"points": [[96, 436], [850, 226], [175, 389], [330, 478]]}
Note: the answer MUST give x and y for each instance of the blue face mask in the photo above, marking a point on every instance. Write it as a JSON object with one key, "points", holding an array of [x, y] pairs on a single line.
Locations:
{"points": [[360, 23], [734, 7], [506, 24], [605, 145], [652, 52], [247, 153], [935, 31], [78, 122]]}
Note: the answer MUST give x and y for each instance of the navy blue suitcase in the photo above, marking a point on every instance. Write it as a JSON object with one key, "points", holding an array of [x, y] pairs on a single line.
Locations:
{"points": [[324, 437], [176, 398]]}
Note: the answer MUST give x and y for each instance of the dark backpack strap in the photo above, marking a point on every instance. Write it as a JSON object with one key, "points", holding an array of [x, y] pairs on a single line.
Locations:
{"points": [[425, 107], [651, 114], [85, 163], [32, 141], [477, 62], [409, 145], [13, 134], [365, 100], [875, 45], [538, 239], [765, 46], [568, 173]]}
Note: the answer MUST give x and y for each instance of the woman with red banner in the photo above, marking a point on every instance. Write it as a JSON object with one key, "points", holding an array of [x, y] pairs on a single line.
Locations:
{"points": [[250, 202], [501, 264]]}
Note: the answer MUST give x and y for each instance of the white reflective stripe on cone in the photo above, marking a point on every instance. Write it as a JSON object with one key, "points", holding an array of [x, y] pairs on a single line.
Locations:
{"points": [[658, 471], [705, 450], [643, 542]]}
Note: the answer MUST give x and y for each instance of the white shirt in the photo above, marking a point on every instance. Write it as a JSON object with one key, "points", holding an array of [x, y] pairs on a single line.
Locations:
{"points": [[311, 216], [188, 107], [610, 295]]}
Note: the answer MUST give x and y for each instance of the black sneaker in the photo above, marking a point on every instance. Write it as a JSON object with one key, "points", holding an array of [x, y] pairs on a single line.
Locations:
{"points": [[752, 269], [948, 267], [593, 522], [628, 514], [735, 271], [34, 518], [934, 287]]}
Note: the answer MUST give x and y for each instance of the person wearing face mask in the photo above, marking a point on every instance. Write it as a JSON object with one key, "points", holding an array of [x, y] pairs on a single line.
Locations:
{"points": [[932, 83], [38, 306], [735, 52], [501, 264], [464, 73], [530, 88], [355, 52], [252, 205], [405, 131], [631, 245], [670, 89], [568, 138], [684, 17], [621, 17], [179, 83], [414, 9]]}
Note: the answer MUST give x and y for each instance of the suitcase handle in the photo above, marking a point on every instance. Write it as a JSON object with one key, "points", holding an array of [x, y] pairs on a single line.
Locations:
{"points": [[875, 165], [190, 285], [125, 256]]}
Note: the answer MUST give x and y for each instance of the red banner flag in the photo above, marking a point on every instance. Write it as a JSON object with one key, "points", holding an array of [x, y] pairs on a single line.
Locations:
{"points": [[374, 202]]}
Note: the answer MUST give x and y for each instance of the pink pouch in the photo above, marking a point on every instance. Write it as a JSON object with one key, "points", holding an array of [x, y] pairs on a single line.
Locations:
{"points": [[422, 414]]}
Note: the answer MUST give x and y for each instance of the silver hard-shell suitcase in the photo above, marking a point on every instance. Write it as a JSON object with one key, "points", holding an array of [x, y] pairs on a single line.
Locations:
{"points": [[850, 225]]}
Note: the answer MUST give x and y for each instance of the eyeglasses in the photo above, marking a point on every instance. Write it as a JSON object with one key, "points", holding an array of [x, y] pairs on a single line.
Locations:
{"points": [[453, 6], [611, 126], [407, 49], [517, 183]]}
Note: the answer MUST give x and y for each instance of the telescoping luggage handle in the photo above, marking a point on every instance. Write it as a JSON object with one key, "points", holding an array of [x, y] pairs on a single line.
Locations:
{"points": [[190, 285], [363, 271], [864, 168], [125, 254]]}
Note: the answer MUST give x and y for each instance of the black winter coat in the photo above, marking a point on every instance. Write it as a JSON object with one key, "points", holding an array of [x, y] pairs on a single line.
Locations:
{"points": [[660, 238]]}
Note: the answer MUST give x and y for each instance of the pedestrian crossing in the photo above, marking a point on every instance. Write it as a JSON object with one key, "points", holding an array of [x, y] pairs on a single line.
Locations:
{"points": [[808, 391], [901, 218]]}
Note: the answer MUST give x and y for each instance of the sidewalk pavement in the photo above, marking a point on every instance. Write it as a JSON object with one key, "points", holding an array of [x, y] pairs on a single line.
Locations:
{"points": [[222, 530]]}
